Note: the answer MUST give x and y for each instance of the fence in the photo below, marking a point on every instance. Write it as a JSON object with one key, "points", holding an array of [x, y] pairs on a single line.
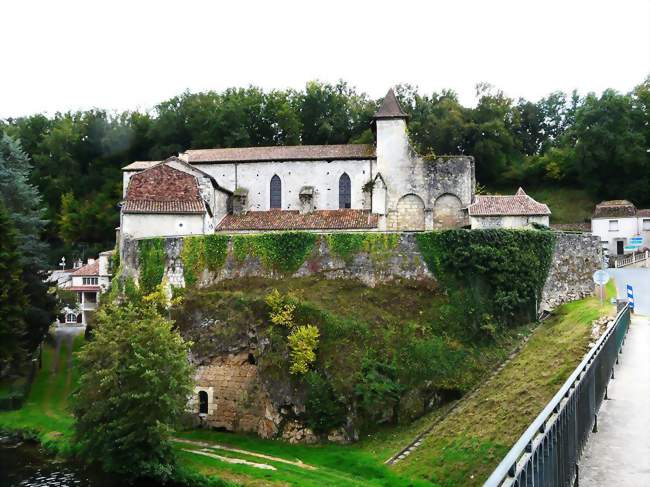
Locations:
{"points": [[630, 259], [548, 452]]}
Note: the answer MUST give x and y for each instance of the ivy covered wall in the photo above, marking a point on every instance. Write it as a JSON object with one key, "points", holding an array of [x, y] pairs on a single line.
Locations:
{"points": [[501, 274]]}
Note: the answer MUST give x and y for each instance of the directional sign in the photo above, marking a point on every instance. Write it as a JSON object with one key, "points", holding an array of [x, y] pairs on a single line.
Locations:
{"points": [[601, 277], [638, 240], [630, 248], [630, 296]]}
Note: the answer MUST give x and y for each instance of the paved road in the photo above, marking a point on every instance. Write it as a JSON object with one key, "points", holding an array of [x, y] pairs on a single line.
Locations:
{"points": [[640, 280], [619, 454]]}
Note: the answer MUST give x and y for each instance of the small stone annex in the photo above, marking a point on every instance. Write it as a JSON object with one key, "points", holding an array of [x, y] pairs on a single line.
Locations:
{"points": [[516, 211], [385, 186]]}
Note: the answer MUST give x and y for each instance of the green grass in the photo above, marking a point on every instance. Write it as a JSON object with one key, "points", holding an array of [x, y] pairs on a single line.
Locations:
{"points": [[46, 413], [468, 444], [568, 205]]}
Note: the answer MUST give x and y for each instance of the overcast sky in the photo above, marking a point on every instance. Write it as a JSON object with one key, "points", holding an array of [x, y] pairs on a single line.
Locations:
{"points": [[65, 55]]}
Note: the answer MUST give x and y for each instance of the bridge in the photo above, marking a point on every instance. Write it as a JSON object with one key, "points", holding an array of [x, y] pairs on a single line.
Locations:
{"points": [[596, 431]]}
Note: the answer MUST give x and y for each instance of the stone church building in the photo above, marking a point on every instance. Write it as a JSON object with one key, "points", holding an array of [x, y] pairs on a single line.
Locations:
{"points": [[383, 186]]}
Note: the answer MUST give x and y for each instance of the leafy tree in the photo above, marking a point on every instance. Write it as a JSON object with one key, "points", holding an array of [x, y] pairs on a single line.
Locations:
{"points": [[12, 299], [134, 385]]}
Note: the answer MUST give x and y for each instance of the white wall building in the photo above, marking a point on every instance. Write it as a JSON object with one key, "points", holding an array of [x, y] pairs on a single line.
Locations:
{"points": [[516, 211], [616, 221], [381, 186]]}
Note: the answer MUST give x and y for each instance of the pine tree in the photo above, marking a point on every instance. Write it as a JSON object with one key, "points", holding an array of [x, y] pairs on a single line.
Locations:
{"points": [[12, 298]]}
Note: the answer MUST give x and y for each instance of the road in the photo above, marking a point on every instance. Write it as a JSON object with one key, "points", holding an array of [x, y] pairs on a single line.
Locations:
{"points": [[619, 453]]}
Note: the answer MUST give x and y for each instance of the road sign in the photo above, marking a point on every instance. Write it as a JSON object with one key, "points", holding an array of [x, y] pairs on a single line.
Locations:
{"points": [[630, 296], [638, 240], [631, 248], [601, 277]]}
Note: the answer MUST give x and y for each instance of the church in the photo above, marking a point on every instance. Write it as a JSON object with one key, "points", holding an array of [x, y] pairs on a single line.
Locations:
{"points": [[385, 186]]}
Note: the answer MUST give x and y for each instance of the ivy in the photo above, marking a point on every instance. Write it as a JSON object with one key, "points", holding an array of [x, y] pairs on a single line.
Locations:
{"points": [[283, 252], [347, 245], [501, 271], [203, 252], [151, 261]]}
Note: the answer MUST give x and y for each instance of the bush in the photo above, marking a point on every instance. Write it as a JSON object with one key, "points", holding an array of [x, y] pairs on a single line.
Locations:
{"points": [[323, 411], [504, 271], [303, 341]]}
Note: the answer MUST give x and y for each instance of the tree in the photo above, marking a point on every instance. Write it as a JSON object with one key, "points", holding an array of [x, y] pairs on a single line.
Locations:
{"points": [[12, 299], [134, 385], [25, 207]]}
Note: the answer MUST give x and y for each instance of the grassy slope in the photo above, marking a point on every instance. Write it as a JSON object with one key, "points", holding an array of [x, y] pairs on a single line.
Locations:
{"points": [[568, 205], [466, 446]]}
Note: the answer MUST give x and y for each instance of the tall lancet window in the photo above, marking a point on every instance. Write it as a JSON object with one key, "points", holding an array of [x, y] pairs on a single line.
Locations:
{"points": [[276, 192], [345, 191]]}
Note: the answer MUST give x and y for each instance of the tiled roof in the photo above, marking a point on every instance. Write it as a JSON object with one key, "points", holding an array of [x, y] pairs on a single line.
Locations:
{"points": [[390, 107], [88, 270], [140, 165], [519, 204], [643, 213], [163, 189], [282, 153], [614, 209], [293, 220], [144, 206]]}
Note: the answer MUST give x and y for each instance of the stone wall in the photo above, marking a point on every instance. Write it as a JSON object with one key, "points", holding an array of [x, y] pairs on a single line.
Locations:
{"points": [[577, 256]]}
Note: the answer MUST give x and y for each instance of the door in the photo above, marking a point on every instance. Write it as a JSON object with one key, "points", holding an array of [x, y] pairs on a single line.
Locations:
{"points": [[619, 247]]}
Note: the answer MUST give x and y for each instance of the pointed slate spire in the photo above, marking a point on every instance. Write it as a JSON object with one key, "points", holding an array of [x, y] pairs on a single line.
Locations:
{"points": [[390, 107]]}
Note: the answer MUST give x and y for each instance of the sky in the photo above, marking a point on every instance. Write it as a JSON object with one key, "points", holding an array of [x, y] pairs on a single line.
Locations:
{"points": [[124, 55]]}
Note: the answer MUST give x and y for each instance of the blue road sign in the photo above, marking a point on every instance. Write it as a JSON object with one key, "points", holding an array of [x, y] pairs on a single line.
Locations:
{"points": [[630, 296], [636, 240]]}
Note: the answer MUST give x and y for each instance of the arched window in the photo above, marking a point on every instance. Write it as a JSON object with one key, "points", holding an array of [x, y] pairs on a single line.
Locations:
{"points": [[276, 192], [345, 191], [203, 402]]}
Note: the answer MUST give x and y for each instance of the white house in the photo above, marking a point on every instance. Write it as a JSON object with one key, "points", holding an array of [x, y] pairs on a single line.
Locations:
{"points": [[89, 282], [511, 211], [380, 186], [616, 221]]}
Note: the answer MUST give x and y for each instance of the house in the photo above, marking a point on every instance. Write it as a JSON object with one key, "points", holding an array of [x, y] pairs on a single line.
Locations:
{"points": [[512, 211], [618, 221], [384, 186], [88, 282]]}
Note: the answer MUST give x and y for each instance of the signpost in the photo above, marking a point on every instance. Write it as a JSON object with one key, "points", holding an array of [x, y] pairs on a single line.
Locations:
{"points": [[600, 278], [634, 243], [630, 296]]}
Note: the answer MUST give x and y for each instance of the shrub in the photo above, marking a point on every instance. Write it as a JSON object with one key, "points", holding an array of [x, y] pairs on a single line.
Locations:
{"points": [[303, 341], [323, 411]]}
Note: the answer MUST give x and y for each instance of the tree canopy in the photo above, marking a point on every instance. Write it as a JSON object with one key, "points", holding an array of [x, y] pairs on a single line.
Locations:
{"points": [[599, 143]]}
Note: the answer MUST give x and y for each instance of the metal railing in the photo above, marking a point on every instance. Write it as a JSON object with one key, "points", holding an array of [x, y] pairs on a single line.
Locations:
{"points": [[548, 452]]}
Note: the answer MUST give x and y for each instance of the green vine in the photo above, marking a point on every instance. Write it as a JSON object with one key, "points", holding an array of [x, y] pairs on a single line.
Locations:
{"points": [[203, 252], [377, 245], [501, 271], [151, 260], [283, 252]]}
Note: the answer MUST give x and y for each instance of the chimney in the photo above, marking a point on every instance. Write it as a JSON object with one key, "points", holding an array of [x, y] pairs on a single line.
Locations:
{"points": [[240, 201], [306, 199]]}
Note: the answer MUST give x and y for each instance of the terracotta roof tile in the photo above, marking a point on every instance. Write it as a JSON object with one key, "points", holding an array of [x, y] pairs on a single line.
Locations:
{"points": [[282, 153], [643, 213], [88, 270], [163, 189], [519, 204], [293, 220], [614, 209]]}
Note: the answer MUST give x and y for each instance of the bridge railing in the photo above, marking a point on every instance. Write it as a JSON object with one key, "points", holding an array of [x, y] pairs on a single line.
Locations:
{"points": [[548, 452]]}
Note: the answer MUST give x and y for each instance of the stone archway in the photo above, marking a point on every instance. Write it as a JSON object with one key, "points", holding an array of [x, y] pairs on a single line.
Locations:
{"points": [[410, 213], [448, 211]]}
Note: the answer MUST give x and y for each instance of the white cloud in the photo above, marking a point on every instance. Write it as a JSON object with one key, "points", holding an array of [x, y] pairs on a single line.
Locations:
{"points": [[132, 54]]}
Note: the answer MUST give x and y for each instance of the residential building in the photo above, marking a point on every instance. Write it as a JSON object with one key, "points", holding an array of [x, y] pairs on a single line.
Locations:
{"points": [[618, 221]]}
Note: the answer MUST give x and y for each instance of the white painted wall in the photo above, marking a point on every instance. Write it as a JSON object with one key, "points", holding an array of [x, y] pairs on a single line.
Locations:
{"points": [[521, 221], [322, 175], [627, 227], [137, 225]]}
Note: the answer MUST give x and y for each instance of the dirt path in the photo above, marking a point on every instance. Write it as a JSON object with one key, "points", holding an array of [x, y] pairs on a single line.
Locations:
{"points": [[216, 446]]}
